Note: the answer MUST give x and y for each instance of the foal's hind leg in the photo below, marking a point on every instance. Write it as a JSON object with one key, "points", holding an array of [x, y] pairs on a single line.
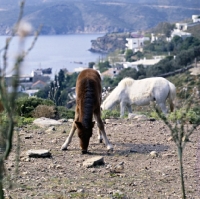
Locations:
{"points": [[102, 131]]}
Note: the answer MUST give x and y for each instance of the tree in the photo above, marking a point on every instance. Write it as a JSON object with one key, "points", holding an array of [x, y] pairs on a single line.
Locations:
{"points": [[44, 92], [61, 79], [128, 55], [103, 66], [180, 132], [91, 64], [141, 72], [139, 54]]}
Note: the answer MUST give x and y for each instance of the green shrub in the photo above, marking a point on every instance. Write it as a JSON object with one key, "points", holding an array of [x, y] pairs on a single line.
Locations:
{"points": [[25, 105], [192, 115], [24, 121], [154, 115], [106, 114], [63, 112]]}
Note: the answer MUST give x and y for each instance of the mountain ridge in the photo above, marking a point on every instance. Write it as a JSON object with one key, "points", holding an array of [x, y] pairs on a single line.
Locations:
{"points": [[64, 17]]}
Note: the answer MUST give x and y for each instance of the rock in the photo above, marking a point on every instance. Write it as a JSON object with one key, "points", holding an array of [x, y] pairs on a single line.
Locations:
{"points": [[39, 153], [137, 117], [80, 191], [109, 42], [168, 155], [28, 136], [98, 160], [140, 118], [70, 120], [25, 159], [59, 166], [118, 168], [63, 120], [50, 129], [153, 153], [113, 121], [170, 138], [46, 122], [132, 115]]}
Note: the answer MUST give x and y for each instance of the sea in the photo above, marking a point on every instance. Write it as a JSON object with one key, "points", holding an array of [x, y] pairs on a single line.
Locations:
{"points": [[69, 52]]}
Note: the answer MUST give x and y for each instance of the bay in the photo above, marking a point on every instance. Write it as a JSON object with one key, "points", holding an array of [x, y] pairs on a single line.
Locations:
{"points": [[55, 51]]}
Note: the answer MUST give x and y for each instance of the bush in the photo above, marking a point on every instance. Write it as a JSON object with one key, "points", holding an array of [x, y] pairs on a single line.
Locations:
{"points": [[25, 105], [190, 116], [24, 121], [106, 114], [65, 113], [154, 115], [44, 111]]}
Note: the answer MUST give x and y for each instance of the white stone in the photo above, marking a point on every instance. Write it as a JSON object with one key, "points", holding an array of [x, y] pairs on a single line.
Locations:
{"points": [[38, 153], [98, 160], [46, 122], [153, 153]]}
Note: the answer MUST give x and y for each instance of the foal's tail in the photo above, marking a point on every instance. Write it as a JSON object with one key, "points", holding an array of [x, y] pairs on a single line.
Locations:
{"points": [[172, 95]]}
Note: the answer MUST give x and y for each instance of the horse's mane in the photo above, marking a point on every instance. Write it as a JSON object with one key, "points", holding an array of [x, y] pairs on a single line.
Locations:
{"points": [[88, 102], [127, 81]]}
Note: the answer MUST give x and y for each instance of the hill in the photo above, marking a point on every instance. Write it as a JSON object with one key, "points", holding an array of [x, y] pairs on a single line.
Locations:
{"points": [[63, 17]]}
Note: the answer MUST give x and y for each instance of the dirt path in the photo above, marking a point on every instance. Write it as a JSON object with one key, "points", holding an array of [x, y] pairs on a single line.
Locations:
{"points": [[62, 176]]}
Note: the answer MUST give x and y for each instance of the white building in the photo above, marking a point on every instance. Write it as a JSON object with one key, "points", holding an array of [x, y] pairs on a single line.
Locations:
{"points": [[195, 18], [184, 26], [181, 26], [79, 69], [36, 73], [145, 62], [136, 43], [177, 32], [30, 92], [153, 38]]}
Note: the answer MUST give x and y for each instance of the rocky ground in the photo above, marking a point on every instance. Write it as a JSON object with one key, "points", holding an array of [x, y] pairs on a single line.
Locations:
{"points": [[131, 171]]}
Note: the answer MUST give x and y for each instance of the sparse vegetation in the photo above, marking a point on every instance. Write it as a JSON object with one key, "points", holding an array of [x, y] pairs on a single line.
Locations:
{"points": [[44, 111], [107, 114], [23, 29], [180, 130], [65, 113], [26, 105]]}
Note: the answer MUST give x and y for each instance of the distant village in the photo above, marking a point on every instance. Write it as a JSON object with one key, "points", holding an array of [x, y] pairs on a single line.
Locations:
{"points": [[39, 78]]}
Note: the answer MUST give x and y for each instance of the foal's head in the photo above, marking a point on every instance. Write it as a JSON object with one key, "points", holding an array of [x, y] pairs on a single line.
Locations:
{"points": [[84, 135]]}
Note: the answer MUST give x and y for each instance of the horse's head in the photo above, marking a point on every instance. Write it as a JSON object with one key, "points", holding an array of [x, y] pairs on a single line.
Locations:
{"points": [[84, 135]]}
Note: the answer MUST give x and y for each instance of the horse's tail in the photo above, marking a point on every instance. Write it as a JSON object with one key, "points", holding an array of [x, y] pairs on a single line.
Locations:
{"points": [[172, 95]]}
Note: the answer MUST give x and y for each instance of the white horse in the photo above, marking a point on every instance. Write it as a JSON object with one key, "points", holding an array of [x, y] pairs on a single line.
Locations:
{"points": [[141, 92]]}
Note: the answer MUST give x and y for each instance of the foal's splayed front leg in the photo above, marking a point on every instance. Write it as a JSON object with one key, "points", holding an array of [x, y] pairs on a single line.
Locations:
{"points": [[69, 138]]}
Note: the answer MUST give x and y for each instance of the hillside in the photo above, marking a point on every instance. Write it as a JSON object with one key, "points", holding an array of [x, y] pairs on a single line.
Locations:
{"points": [[62, 17]]}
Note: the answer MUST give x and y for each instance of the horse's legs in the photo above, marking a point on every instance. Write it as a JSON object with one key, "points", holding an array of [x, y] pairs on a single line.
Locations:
{"points": [[129, 108], [122, 108], [69, 138], [101, 131], [163, 107]]}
